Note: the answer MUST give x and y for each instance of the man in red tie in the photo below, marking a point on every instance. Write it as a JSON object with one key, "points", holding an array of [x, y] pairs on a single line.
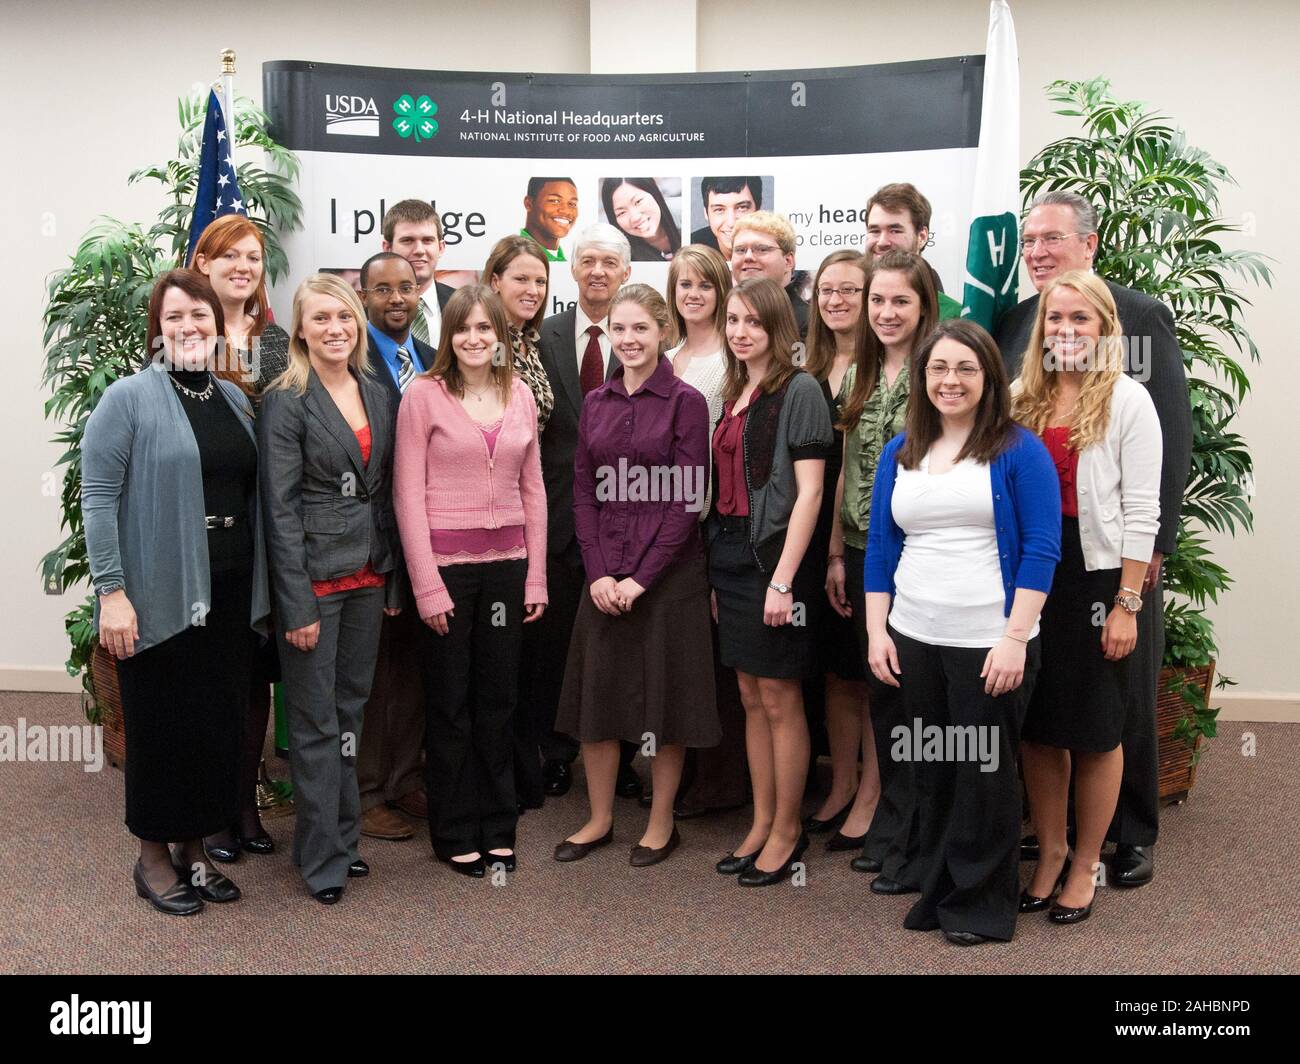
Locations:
{"points": [[575, 351]]}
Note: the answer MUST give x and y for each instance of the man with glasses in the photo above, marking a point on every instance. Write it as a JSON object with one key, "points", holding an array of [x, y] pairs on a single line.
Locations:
{"points": [[762, 245], [898, 217], [413, 229], [389, 775], [1060, 234]]}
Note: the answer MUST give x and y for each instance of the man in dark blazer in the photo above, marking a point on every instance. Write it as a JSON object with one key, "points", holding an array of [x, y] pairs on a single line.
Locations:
{"points": [[1060, 234], [389, 774], [413, 230], [601, 262]]}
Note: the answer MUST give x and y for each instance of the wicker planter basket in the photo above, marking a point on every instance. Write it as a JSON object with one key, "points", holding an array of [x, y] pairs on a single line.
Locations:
{"points": [[108, 701], [1177, 759]]}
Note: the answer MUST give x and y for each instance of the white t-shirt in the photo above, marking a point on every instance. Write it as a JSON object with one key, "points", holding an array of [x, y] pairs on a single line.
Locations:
{"points": [[948, 586]]}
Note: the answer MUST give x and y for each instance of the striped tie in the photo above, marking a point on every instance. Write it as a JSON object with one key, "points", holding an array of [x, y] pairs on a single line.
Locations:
{"points": [[420, 327], [405, 369]]}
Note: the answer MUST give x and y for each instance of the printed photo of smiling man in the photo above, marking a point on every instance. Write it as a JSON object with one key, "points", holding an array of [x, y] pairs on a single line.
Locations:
{"points": [[646, 210], [551, 211], [722, 200]]}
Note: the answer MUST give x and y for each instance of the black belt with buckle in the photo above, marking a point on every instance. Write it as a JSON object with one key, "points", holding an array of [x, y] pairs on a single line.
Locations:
{"points": [[210, 522]]}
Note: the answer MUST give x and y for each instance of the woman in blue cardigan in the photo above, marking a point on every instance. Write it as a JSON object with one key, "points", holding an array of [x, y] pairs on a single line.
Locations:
{"points": [[964, 537]]}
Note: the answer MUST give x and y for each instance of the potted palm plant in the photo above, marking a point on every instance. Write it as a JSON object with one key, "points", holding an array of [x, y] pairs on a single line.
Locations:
{"points": [[1160, 231], [95, 332]]}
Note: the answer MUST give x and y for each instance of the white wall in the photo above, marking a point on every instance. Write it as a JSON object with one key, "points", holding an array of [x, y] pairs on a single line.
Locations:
{"points": [[92, 88]]}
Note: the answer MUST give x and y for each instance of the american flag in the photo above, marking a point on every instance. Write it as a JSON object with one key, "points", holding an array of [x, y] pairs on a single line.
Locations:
{"points": [[218, 191]]}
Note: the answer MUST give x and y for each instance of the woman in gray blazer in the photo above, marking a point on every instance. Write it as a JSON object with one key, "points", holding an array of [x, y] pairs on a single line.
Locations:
{"points": [[326, 430], [173, 532]]}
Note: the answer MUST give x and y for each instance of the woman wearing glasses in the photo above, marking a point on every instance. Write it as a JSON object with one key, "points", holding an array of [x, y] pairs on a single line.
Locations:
{"points": [[964, 537]]}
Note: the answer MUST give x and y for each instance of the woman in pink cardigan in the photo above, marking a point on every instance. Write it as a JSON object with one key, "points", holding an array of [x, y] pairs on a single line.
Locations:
{"points": [[471, 508]]}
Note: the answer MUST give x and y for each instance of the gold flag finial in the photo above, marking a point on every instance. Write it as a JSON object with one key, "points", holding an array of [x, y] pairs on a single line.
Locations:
{"points": [[227, 60]]}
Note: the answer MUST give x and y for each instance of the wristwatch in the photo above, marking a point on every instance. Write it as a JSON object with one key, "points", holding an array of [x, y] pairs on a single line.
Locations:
{"points": [[1129, 600], [783, 589]]}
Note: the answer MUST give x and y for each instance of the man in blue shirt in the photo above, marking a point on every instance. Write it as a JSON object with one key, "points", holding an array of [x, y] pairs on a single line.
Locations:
{"points": [[390, 293], [389, 776]]}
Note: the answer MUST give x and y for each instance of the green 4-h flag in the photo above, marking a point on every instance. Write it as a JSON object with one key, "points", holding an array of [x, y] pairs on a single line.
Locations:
{"points": [[992, 251]]}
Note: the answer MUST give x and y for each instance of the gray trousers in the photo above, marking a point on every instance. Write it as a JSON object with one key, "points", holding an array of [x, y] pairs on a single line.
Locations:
{"points": [[325, 693]]}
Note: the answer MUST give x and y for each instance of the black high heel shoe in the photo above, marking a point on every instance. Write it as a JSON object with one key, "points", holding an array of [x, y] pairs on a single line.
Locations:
{"points": [[813, 826], [756, 877], [1032, 903], [179, 899], [734, 864], [1071, 914]]}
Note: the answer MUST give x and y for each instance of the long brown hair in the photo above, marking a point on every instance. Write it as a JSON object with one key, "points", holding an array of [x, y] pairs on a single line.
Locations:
{"points": [[194, 285], [454, 315], [993, 429], [771, 306], [871, 352], [503, 253], [820, 339], [709, 264]]}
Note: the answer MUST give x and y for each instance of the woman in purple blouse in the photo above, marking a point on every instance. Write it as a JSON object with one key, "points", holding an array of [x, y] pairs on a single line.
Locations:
{"points": [[640, 664]]}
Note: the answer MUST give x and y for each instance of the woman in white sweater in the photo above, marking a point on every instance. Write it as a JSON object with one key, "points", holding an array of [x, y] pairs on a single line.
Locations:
{"points": [[1102, 431]]}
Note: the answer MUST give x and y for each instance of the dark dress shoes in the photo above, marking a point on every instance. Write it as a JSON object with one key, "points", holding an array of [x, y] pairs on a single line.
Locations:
{"points": [[260, 843], [840, 842], [732, 865], [1063, 914], [756, 877], [964, 938], [629, 784], [644, 856], [179, 899], [223, 854], [813, 826], [885, 885], [576, 851], [358, 868], [328, 896], [1032, 903], [1029, 848], [868, 865], [213, 886], [505, 860], [557, 778], [475, 869], [1132, 866]]}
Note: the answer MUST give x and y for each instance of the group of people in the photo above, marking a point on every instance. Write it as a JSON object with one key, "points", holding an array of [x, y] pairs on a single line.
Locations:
{"points": [[676, 524]]}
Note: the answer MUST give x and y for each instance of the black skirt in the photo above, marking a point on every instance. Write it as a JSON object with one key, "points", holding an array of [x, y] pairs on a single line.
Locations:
{"points": [[649, 671], [183, 706], [1080, 699], [747, 644]]}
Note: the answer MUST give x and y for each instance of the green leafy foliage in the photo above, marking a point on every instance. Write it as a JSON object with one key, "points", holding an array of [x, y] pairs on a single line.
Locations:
{"points": [[96, 310], [1160, 229]]}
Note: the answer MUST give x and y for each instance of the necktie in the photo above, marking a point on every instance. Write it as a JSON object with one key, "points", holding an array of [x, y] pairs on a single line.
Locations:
{"points": [[419, 326], [405, 369], [592, 374]]}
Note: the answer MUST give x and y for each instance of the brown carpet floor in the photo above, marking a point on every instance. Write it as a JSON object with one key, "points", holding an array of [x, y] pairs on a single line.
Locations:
{"points": [[1223, 900]]}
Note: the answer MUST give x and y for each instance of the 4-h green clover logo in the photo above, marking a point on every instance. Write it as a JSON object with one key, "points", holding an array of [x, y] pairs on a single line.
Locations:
{"points": [[415, 117]]}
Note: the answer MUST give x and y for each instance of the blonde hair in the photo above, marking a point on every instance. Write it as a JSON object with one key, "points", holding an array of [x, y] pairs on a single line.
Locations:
{"points": [[295, 378], [709, 264], [652, 303], [1035, 402], [777, 226]]}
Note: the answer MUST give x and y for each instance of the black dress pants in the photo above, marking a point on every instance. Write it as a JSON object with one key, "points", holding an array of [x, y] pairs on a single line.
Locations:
{"points": [[968, 796], [471, 686], [1137, 814]]}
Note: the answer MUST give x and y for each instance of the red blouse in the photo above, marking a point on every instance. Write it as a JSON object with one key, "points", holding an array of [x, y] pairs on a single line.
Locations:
{"points": [[1066, 458], [366, 575], [729, 458]]}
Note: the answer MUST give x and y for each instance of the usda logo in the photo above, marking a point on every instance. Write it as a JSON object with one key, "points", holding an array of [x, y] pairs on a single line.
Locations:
{"points": [[351, 116], [415, 118]]}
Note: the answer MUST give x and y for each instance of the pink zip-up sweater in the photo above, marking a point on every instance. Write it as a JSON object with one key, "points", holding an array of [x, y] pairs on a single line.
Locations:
{"points": [[444, 479]]}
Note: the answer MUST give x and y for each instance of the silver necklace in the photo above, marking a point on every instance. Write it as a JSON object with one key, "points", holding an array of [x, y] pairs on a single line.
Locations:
{"points": [[478, 396], [202, 396]]}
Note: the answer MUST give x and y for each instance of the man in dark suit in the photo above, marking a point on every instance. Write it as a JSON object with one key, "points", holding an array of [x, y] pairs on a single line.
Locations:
{"points": [[577, 356], [764, 247], [389, 774], [725, 199], [413, 229], [1060, 234]]}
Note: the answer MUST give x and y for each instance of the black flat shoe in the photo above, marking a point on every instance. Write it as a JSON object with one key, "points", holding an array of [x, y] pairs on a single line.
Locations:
{"points": [[868, 865], [731, 865], [885, 885], [964, 938], [557, 778], [756, 877], [645, 856], [328, 896], [576, 851], [505, 860], [629, 784], [1132, 866], [179, 899], [260, 844], [475, 869], [839, 842], [813, 826], [214, 886], [358, 868]]}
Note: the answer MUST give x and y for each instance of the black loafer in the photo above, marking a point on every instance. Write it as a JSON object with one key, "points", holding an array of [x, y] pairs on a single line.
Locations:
{"points": [[756, 877], [1132, 866], [964, 938], [645, 856], [179, 899], [732, 865], [840, 842], [557, 778], [629, 784], [869, 865], [475, 869], [576, 851], [328, 896], [213, 886], [358, 869], [885, 885], [505, 860]]}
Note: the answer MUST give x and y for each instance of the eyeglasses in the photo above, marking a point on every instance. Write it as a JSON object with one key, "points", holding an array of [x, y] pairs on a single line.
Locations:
{"points": [[383, 291], [756, 250], [938, 370], [1050, 242], [844, 291]]}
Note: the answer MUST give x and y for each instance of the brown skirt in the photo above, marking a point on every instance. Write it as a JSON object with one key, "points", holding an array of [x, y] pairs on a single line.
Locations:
{"points": [[648, 672]]}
